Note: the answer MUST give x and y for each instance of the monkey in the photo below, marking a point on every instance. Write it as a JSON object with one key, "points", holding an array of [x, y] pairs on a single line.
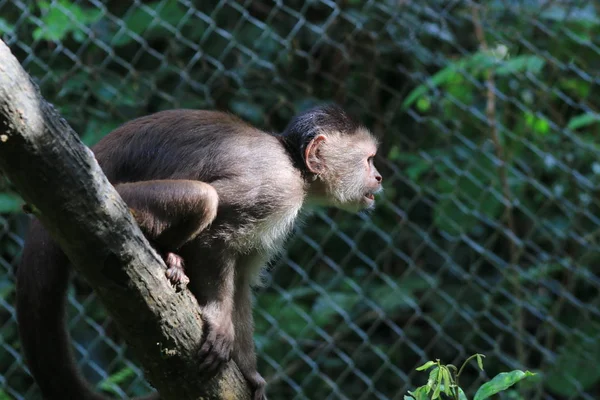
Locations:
{"points": [[217, 198]]}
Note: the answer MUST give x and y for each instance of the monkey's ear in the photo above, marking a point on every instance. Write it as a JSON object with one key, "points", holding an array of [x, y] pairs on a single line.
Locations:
{"points": [[313, 156]]}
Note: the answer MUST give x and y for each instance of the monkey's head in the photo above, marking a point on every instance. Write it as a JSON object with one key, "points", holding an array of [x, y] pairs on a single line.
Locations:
{"points": [[336, 156]]}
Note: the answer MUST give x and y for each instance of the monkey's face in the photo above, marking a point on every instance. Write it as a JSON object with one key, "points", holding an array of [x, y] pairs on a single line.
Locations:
{"points": [[345, 171]]}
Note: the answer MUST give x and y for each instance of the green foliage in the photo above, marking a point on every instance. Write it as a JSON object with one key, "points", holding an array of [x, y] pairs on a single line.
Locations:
{"points": [[357, 296], [583, 120], [115, 379], [538, 124], [5, 27], [500, 383], [470, 194], [474, 65], [10, 202], [443, 382], [63, 17], [153, 20], [575, 365]]}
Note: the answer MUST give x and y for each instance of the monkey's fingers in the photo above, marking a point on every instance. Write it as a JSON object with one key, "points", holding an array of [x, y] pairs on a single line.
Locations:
{"points": [[175, 272], [206, 353], [215, 351]]}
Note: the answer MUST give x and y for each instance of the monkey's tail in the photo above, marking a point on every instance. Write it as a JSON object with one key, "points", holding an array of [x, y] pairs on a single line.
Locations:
{"points": [[42, 282]]}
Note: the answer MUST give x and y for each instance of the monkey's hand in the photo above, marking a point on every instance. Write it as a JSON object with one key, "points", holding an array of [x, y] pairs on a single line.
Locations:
{"points": [[175, 271], [216, 348]]}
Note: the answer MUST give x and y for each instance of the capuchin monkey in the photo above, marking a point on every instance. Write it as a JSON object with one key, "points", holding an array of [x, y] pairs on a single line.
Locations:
{"points": [[217, 198]]}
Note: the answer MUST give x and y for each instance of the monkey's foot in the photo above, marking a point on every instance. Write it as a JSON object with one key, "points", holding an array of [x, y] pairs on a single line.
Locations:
{"points": [[258, 385], [175, 271], [217, 347]]}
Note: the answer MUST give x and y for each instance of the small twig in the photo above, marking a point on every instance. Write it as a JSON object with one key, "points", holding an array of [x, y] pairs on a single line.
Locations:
{"points": [[464, 365], [456, 387], [506, 192]]}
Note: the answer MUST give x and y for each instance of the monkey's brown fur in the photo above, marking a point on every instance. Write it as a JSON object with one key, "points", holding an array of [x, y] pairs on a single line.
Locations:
{"points": [[217, 197]]}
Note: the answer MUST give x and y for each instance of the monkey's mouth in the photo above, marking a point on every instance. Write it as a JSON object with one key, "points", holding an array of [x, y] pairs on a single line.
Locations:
{"points": [[370, 195]]}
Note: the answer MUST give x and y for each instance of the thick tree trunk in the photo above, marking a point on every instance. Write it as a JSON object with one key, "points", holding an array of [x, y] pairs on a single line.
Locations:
{"points": [[56, 174]]}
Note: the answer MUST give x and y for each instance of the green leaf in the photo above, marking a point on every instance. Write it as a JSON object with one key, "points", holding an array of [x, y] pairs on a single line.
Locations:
{"points": [[423, 104], [521, 64], [10, 203], [433, 379], [474, 64], [436, 80], [480, 361], [500, 382], [447, 381], [462, 395], [115, 379], [426, 366], [478, 61], [151, 21], [435, 382], [62, 17], [539, 125], [419, 394], [582, 120], [579, 87], [436, 392]]}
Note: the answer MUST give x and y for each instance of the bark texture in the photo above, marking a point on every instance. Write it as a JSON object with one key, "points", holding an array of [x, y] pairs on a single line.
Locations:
{"points": [[60, 178]]}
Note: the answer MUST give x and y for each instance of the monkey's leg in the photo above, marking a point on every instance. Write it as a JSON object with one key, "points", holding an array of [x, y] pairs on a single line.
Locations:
{"points": [[171, 213], [213, 279], [244, 353]]}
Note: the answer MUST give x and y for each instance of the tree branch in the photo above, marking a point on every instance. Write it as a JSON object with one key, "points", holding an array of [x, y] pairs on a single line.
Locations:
{"points": [[56, 174]]}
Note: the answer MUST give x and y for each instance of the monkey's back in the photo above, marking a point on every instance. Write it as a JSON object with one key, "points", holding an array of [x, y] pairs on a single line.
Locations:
{"points": [[253, 174], [176, 144]]}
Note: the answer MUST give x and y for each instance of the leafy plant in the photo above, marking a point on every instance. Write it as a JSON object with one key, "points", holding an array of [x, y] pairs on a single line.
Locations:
{"points": [[63, 18], [444, 381]]}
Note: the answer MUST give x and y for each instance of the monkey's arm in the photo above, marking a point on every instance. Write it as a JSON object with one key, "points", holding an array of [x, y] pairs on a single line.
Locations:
{"points": [[171, 213]]}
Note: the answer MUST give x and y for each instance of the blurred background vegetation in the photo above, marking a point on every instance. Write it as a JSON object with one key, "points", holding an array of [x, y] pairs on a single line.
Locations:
{"points": [[485, 240]]}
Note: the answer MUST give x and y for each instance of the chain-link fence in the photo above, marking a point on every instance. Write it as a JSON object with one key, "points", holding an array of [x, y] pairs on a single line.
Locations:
{"points": [[485, 240]]}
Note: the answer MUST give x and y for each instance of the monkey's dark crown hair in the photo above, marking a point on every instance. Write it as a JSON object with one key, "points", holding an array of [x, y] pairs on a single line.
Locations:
{"points": [[305, 126]]}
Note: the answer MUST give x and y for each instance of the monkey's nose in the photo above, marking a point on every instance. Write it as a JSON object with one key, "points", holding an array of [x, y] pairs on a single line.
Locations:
{"points": [[378, 178]]}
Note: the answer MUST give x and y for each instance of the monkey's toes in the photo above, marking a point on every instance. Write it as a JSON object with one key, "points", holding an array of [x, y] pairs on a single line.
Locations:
{"points": [[175, 271], [257, 383], [259, 386], [216, 350], [259, 394]]}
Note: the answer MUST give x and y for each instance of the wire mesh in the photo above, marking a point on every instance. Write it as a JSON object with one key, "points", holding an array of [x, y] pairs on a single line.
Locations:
{"points": [[485, 240]]}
